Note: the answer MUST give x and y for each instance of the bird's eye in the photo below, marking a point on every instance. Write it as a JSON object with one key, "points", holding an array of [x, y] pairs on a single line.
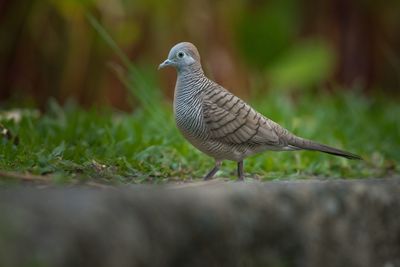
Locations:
{"points": [[181, 54]]}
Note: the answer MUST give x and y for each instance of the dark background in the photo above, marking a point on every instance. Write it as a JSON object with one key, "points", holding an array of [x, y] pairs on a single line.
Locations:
{"points": [[48, 48]]}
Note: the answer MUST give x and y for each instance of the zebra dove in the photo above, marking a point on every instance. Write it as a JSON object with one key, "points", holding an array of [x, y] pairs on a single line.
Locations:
{"points": [[222, 125]]}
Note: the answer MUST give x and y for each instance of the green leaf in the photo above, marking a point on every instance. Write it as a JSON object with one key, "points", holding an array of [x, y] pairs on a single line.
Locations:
{"points": [[305, 65]]}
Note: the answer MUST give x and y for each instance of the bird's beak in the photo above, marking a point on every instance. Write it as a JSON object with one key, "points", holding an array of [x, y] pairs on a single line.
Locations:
{"points": [[166, 63]]}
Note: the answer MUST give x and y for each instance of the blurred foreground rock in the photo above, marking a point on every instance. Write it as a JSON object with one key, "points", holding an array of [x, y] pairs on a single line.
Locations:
{"points": [[343, 223]]}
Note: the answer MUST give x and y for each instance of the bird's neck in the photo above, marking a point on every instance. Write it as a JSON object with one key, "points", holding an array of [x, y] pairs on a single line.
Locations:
{"points": [[192, 71], [190, 80]]}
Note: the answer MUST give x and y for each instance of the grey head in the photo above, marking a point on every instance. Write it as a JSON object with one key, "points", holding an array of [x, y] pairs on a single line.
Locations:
{"points": [[182, 56]]}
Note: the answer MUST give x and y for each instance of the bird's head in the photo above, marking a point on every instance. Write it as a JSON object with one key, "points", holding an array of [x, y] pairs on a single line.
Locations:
{"points": [[181, 56]]}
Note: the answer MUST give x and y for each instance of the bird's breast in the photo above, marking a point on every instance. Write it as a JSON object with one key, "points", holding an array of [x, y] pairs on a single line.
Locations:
{"points": [[189, 119]]}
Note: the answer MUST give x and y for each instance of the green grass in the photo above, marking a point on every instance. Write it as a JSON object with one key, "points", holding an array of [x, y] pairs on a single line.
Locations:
{"points": [[71, 144]]}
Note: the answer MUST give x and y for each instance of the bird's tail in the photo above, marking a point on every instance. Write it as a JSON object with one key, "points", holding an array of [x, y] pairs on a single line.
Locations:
{"points": [[301, 143]]}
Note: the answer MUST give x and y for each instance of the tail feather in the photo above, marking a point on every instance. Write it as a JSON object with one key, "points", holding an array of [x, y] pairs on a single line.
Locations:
{"points": [[301, 143]]}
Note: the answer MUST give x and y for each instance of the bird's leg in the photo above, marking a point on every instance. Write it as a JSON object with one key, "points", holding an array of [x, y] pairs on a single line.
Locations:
{"points": [[240, 171], [213, 171]]}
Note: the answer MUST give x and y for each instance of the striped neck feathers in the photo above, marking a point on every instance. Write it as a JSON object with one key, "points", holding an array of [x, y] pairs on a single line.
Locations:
{"points": [[190, 79], [194, 70]]}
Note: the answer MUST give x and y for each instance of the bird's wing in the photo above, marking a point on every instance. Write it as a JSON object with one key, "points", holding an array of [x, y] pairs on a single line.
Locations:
{"points": [[230, 120]]}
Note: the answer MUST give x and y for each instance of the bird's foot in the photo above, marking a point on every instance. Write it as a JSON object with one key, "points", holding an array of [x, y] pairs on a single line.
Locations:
{"points": [[240, 171]]}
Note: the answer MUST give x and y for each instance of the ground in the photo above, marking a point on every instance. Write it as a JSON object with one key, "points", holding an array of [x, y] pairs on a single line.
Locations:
{"points": [[213, 223]]}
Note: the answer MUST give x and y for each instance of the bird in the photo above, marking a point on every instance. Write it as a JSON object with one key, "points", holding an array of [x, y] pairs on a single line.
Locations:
{"points": [[222, 125]]}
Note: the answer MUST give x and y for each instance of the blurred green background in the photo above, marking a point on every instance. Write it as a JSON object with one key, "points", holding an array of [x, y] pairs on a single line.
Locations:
{"points": [[48, 48], [87, 69]]}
